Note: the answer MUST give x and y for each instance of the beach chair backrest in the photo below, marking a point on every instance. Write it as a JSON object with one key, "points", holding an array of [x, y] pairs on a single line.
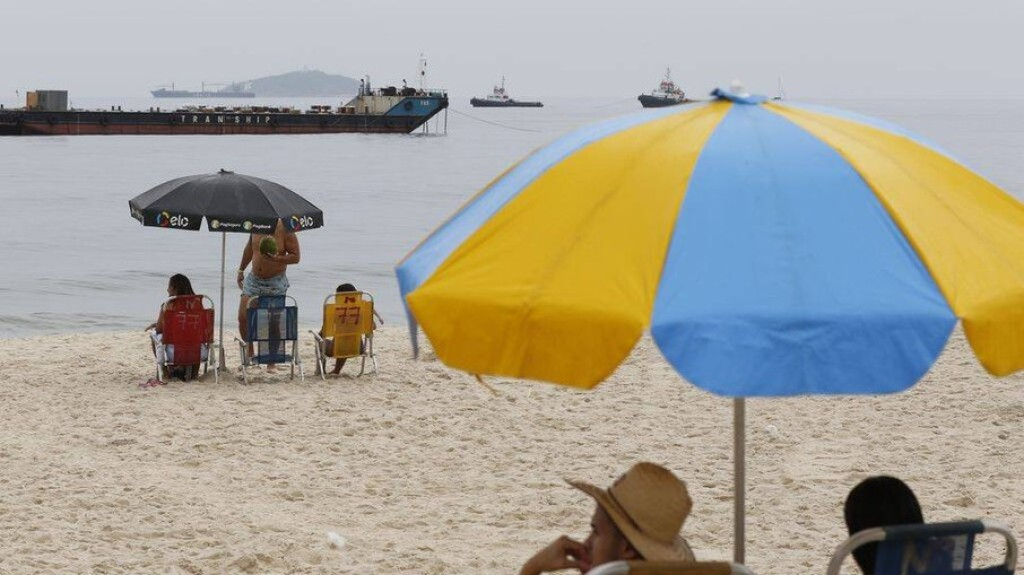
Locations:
{"points": [[929, 549], [670, 568], [348, 316], [187, 326], [273, 321]]}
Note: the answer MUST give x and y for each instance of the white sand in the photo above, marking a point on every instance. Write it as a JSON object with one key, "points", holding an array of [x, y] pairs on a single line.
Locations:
{"points": [[422, 470]]}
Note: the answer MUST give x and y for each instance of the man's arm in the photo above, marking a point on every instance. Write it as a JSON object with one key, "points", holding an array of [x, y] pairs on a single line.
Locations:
{"points": [[291, 254], [246, 258]]}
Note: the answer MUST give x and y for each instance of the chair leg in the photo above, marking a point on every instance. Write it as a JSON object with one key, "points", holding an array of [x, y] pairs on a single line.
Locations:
{"points": [[245, 360], [214, 359], [318, 354], [369, 352]]}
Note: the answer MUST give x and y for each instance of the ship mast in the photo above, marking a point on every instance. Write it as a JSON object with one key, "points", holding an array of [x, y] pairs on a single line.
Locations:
{"points": [[423, 73]]}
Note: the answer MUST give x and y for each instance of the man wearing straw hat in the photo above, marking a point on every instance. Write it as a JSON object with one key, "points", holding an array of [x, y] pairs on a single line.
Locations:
{"points": [[638, 517]]}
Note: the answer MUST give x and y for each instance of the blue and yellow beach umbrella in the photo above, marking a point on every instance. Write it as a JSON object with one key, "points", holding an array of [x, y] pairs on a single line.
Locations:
{"points": [[771, 249]]}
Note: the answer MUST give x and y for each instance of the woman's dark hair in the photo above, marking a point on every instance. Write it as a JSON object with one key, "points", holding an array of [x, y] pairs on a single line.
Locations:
{"points": [[878, 502], [181, 286], [345, 287]]}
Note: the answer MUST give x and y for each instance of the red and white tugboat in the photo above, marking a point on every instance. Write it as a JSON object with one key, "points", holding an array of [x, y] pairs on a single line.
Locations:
{"points": [[667, 94]]}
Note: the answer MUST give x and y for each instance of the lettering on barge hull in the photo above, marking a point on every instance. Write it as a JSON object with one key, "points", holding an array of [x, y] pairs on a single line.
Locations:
{"points": [[375, 125], [222, 119]]}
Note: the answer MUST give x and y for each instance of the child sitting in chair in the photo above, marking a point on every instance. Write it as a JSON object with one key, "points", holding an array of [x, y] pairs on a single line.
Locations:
{"points": [[340, 362], [880, 501]]}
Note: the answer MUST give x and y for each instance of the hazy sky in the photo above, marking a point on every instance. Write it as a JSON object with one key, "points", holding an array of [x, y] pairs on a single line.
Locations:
{"points": [[820, 48]]}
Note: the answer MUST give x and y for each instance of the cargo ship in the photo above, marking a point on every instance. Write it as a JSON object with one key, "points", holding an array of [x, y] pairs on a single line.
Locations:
{"points": [[385, 110], [500, 99], [667, 94], [232, 91]]}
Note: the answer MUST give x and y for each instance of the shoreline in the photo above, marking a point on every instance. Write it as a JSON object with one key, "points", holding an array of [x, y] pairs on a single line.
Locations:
{"points": [[422, 470]]}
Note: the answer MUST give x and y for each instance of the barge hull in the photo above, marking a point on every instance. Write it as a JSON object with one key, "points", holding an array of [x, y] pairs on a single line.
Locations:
{"points": [[400, 119]]}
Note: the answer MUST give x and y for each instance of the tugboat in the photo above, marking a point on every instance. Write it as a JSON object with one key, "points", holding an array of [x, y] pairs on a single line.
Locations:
{"points": [[499, 99], [667, 94]]}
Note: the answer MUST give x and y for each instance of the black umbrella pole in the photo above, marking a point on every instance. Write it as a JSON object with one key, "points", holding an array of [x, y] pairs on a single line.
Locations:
{"points": [[739, 453]]}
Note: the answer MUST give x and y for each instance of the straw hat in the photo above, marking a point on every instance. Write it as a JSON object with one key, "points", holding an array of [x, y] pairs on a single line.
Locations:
{"points": [[649, 505]]}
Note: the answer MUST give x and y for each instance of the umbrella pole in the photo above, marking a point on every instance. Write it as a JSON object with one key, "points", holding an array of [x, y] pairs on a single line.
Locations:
{"points": [[739, 453], [223, 251]]}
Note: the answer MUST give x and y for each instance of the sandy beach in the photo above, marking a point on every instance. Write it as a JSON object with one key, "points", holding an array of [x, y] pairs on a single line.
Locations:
{"points": [[423, 471]]}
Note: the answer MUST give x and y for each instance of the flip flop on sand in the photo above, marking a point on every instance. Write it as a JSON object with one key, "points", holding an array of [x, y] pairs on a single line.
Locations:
{"points": [[151, 382]]}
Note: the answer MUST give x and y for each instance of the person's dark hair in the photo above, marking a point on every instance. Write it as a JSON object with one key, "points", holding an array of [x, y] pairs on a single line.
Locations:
{"points": [[346, 287], [181, 286], [879, 502]]}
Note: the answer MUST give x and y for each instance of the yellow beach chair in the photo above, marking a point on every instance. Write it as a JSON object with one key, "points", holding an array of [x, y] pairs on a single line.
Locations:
{"points": [[346, 331]]}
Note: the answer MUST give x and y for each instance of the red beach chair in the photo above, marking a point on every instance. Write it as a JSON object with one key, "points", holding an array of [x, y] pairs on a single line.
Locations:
{"points": [[187, 339]]}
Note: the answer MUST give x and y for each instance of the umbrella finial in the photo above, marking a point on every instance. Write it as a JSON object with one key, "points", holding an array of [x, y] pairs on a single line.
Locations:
{"points": [[737, 92], [737, 87], [223, 171]]}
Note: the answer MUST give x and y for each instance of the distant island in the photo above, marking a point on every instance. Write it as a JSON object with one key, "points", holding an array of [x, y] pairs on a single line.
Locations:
{"points": [[302, 83]]}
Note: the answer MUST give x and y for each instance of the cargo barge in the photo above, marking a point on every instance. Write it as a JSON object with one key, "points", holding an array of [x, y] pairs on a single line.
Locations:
{"points": [[386, 110]]}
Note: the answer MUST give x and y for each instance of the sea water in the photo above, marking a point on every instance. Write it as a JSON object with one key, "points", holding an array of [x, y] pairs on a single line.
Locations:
{"points": [[73, 259]]}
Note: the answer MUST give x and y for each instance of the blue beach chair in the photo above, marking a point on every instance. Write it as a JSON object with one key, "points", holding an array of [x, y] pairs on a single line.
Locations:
{"points": [[670, 568], [928, 549], [273, 324]]}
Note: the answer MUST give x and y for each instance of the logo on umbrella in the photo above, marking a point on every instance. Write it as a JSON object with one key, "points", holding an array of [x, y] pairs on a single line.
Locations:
{"points": [[296, 223], [166, 220]]}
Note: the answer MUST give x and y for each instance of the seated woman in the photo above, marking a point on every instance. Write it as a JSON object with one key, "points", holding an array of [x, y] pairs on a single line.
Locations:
{"points": [[639, 517], [179, 285], [879, 501], [340, 362]]}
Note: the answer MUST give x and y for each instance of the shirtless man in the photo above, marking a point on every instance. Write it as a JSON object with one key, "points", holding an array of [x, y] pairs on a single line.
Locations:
{"points": [[268, 275]]}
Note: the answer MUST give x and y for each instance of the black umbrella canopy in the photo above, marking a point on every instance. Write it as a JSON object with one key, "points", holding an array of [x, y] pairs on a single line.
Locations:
{"points": [[230, 202]]}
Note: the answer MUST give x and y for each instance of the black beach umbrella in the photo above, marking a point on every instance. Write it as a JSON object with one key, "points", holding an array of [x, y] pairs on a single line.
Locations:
{"points": [[230, 202]]}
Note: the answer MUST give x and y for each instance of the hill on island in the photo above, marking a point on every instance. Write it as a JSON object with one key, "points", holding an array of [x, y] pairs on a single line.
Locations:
{"points": [[303, 83]]}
